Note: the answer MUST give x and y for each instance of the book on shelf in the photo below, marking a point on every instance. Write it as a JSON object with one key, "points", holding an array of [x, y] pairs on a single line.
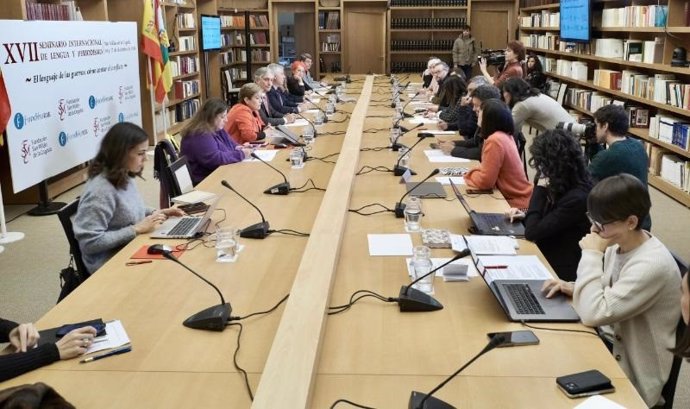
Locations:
{"points": [[186, 109], [67, 10], [258, 21], [675, 170], [634, 16], [186, 43], [638, 117], [653, 51], [184, 89], [632, 50], [185, 20], [610, 79], [609, 48], [232, 21]]}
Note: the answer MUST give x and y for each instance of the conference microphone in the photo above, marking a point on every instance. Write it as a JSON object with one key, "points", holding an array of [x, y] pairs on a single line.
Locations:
{"points": [[413, 300], [325, 117], [255, 231], [400, 206], [400, 170], [280, 188], [212, 319], [397, 92], [310, 123], [420, 400], [395, 146], [405, 114]]}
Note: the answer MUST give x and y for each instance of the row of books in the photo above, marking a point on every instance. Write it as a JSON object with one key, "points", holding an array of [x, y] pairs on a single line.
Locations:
{"points": [[330, 47], [261, 56], [534, 3], [186, 109], [545, 18], [645, 51], [255, 21], [234, 39], [258, 21], [234, 74], [184, 89], [576, 70], [406, 45], [635, 16], [186, 43], [670, 167], [408, 66], [258, 38], [661, 88], [66, 10], [164, 119], [232, 21], [329, 20], [670, 129], [182, 65], [428, 3], [547, 41], [185, 20], [424, 23], [227, 57]]}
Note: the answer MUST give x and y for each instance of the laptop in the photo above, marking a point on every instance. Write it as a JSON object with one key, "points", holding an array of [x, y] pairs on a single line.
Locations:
{"points": [[287, 137], [523, 300], [185, 227], [427, 190], [489, 224], [183, 180]]}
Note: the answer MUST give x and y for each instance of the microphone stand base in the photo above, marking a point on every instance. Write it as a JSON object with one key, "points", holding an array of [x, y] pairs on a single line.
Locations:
{"points": [[400, 170], [430, 403], [211, 319], [397, 146], [413, 300], [406, 115], [255, 231], [400, 210], [279, 189]]}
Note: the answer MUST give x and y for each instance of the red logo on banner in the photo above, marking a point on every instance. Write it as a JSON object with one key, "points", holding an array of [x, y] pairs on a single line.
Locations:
{"points": [[62, 109], [26, 150]]}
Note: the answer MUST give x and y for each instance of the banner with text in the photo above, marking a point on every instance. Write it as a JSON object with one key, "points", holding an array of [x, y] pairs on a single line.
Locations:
{"points": [[68, 82]]}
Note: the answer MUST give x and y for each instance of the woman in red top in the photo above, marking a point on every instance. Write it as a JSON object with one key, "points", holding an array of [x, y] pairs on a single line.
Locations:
{"points": [[244, 122], [515, 53], [501, 166]]}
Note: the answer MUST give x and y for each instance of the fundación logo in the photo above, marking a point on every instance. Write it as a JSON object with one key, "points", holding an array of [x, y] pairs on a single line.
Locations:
{"points": [[26, 151], [19, 120], [92, 102], [62, 138], [96, 127], [62, 109]]}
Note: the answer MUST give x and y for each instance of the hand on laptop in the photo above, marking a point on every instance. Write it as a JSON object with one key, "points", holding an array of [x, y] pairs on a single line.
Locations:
{"points": [[514, 214], [149, 223], [172, 212], [553, 287]]}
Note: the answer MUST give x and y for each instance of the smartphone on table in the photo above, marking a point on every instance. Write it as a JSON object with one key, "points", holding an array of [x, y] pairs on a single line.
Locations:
{"points": [[516, 338]]}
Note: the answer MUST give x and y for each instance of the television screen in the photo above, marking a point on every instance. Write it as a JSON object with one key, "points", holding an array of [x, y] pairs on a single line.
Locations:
{"points": [[575, 20], [210, 33]]}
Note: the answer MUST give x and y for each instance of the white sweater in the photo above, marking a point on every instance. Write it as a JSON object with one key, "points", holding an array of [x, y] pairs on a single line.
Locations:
{"points": [[541, 112], [638, 295]]}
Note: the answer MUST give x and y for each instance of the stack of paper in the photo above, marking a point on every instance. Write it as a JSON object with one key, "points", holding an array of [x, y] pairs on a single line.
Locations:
{"points": [[486, 245], [459, 270]]}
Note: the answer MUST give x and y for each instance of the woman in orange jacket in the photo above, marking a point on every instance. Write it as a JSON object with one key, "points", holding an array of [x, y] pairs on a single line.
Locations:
{"points": [[244, 122]]}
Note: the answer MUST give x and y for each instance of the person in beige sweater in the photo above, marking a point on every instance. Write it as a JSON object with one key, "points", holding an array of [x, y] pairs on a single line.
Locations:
{"points": [[628, 284]]}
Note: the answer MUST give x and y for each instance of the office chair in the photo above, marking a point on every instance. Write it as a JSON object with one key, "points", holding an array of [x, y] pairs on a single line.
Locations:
{"points": [[521, 143], [72, 281], [669, 390], [163, 155]]}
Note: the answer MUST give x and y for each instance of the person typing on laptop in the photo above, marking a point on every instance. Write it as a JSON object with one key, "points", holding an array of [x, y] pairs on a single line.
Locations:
{"points": [[627, 284], [111, 212]]}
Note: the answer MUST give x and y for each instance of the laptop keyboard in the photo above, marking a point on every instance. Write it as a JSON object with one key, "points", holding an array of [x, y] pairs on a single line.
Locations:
{"points": [[523, 298], [184, 227], [494, 219]]}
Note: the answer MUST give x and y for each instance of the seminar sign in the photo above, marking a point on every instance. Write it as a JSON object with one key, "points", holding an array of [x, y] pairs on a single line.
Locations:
{"points": [[68, 82]]}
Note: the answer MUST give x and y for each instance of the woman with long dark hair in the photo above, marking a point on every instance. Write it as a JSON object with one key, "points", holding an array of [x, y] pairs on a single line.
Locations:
{"points": [[528, 105], [627, 284], [556, 218], [501, 166], [534, 74]]}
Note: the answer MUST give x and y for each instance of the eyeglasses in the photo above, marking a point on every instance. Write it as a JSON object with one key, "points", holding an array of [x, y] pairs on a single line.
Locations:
{"points": [[598, 225]]}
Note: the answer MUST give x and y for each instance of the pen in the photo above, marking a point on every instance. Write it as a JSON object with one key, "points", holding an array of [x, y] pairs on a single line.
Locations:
{"points": [[496, 267], [134, 263], [116, 351]]}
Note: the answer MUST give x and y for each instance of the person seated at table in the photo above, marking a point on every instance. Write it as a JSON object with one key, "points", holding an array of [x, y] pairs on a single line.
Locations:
{"points": [[206, 144], [309, 82], [531, 107], [454, 89], [471, 146], [534, 74], [556, 218], [427, 76], [111, 212], [514, 54], [264, 77], [682, 348], [279, 98], [295, 82], [27, 356], [244, 122], [501, 166], [627, 284], [440, 72], [466, 119]]}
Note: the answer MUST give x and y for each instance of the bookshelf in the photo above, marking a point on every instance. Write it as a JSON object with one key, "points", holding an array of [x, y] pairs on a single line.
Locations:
{"points": [[329, 38], [418, 29], [627, 61]]}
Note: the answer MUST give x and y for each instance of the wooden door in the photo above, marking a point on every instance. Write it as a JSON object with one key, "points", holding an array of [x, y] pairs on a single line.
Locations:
{"points": [[365, 33], [490, 28]]}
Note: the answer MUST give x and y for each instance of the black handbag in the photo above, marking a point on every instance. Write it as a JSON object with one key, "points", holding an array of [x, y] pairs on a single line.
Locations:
{"points": [[70, 279]]}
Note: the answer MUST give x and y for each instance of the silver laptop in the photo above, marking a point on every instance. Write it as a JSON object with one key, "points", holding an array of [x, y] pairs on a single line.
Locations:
{"points": [[523, 300], [427, 190], [489, 224], [286, 137], [185, 227]]}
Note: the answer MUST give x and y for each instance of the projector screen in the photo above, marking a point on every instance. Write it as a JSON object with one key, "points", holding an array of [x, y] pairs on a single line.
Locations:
{"points": [[575, 20], [210, 33]]}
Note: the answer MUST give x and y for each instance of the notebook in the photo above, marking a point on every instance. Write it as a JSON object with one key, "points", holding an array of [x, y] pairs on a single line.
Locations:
{"points": [[181, 175], [185, 227], [427, 190], [489, 224]]}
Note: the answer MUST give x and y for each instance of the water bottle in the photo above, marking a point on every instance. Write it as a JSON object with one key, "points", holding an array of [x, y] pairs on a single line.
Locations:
{"points": [[421, 265], [413, 215], [330, 108]]}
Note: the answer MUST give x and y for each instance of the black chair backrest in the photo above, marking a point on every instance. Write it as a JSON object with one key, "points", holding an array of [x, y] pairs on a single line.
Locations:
{"points": [[65, 215], [163, 155]]}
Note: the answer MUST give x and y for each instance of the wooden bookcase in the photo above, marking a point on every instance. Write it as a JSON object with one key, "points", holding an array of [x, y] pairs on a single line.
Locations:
{"points": [[329, 39], [674, 34], [418, 29]]}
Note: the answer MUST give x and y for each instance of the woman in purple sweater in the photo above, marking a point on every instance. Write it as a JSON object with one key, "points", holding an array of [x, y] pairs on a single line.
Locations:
{"points": [[205, 143]]}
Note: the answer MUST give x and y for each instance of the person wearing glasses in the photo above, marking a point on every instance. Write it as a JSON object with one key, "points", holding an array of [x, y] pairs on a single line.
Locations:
{"points": [[627, 285], [514, 54]]}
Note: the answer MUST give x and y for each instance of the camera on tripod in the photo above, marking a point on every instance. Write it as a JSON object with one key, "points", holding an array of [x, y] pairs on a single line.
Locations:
{"points": [[494, 57]]}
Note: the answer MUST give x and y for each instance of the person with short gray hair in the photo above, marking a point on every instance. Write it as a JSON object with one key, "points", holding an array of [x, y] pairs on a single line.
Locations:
{"points": [[264, 77]]}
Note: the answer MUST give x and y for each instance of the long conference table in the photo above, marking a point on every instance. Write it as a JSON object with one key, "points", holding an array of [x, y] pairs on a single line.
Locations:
{"points": [[298, 356]]}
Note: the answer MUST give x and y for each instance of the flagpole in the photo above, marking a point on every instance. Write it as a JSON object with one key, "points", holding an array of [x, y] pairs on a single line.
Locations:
{"points": [[5, 236], [153, 100]]}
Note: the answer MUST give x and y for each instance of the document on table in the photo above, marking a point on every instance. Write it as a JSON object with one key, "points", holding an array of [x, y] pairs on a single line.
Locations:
{"points": [[437, 261], [390, 244], [115, 336], [265, 154], [485, 245], [311, 111], [512, 268], [298, 122], [445, 180], [422, 120], [598, 402], [439, 132], [437, 156]]}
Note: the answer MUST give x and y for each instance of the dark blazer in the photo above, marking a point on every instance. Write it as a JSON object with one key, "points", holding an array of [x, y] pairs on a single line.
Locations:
{"points": [[557, 227], [276, 119], [470, 148], [294, 87], [278, 102]]}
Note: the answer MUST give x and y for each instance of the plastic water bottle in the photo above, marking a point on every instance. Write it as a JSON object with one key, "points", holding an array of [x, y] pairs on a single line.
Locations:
{"points": [[413, 215], [421, 265]]}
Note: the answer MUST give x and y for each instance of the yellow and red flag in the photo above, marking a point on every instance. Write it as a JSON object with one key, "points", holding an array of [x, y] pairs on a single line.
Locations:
{"points": [[154, 44]]}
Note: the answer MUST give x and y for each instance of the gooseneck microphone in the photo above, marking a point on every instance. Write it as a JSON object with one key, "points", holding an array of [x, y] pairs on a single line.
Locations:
{"points": [[212, 319], [310, 123], [412, 300], [405, 114], [400, 170], [325, 117], [255, 231], [280, 188], [395, 146], [420, 400], [400, 206]]}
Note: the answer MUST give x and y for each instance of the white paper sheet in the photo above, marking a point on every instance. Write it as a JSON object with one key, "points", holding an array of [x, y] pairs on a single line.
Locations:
{"points": [[115, 336], [513, 268], [445, 180], [485, 245], [439, 132], [422, 120], [598, 402], [437, 261], [390, 244], [265, 154], [298, 122], [437, 156]]}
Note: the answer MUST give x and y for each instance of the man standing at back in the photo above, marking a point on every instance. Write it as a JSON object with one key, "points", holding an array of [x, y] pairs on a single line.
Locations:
{"points": [[624, 155], [465, 52]]}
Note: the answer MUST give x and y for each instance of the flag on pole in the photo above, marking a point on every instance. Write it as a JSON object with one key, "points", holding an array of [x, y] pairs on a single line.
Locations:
{"points": [[154, 44], [5, 109]]}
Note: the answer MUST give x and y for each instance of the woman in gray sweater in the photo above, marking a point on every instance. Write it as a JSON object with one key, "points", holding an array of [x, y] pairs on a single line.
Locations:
{"points": [[111, 212], [529, 106]]}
